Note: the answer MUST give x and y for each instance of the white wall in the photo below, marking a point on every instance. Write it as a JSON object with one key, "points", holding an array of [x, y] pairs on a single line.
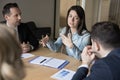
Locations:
{"points": [[39, 11]]}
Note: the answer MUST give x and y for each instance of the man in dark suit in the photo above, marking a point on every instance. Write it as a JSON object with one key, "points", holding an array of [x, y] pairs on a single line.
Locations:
{"points": [[105, 37], [12, 14]]}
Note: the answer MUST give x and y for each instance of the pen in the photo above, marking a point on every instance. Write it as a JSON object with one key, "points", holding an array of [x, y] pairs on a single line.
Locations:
{"points": [[42, 60]]}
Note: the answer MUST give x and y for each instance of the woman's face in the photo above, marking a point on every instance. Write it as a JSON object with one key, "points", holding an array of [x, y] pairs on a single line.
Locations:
{"points": [[73, 19]]}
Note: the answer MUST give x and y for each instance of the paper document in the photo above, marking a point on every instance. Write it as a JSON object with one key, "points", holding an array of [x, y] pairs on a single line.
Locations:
{"points": [[63, 74], [40, 60], [26, 55], [50, 62]]}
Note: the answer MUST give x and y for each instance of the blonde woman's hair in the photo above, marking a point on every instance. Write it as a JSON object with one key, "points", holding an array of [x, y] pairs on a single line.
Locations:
{"points": [[11, 65]]}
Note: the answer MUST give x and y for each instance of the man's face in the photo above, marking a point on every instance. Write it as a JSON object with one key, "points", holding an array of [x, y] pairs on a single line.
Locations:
{"points": [[14, 17], [95, 48]]}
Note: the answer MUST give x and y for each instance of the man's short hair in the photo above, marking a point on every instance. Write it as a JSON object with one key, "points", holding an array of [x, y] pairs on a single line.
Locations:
{"points": [[6, 8], [107, 33]]}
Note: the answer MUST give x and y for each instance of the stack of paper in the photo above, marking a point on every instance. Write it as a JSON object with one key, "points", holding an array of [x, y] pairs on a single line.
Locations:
{"points": [[50, 62]]}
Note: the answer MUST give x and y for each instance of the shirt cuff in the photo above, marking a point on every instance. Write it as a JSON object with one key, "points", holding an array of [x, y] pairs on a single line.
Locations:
{"points": [[31, 47], [83, 65]]}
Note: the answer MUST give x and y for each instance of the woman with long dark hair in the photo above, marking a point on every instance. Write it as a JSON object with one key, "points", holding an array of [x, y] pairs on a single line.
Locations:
{"points": [[74, 37]]}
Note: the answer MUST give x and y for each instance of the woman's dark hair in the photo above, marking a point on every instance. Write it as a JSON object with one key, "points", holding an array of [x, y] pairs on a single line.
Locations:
{"points": [[81, 14], [107, 33]]}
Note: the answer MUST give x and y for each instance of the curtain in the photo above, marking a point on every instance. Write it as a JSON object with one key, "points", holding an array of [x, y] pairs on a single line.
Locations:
{"points": [[114, 13]]}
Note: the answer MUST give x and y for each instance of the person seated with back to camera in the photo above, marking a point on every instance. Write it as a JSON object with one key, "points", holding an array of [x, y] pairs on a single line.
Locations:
{"points": [[105, 37], [11, 65], [74, 37]]}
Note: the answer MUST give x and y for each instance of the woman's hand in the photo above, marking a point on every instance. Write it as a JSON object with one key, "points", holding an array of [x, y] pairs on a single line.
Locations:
{"points": [[67, 41]]}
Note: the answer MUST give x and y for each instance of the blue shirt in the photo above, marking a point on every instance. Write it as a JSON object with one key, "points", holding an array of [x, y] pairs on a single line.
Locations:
{"points": [[79, 41]]}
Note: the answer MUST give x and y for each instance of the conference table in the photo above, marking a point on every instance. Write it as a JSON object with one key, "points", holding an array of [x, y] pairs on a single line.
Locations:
{"points": [[39, 72]]}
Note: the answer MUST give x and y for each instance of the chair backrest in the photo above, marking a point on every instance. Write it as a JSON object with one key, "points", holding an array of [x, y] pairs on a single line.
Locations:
{"points": [[31, 25], [38, 31]]}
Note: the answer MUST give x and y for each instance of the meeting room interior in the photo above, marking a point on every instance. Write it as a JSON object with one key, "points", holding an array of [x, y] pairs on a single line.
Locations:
{"points": [[48, 17]]}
